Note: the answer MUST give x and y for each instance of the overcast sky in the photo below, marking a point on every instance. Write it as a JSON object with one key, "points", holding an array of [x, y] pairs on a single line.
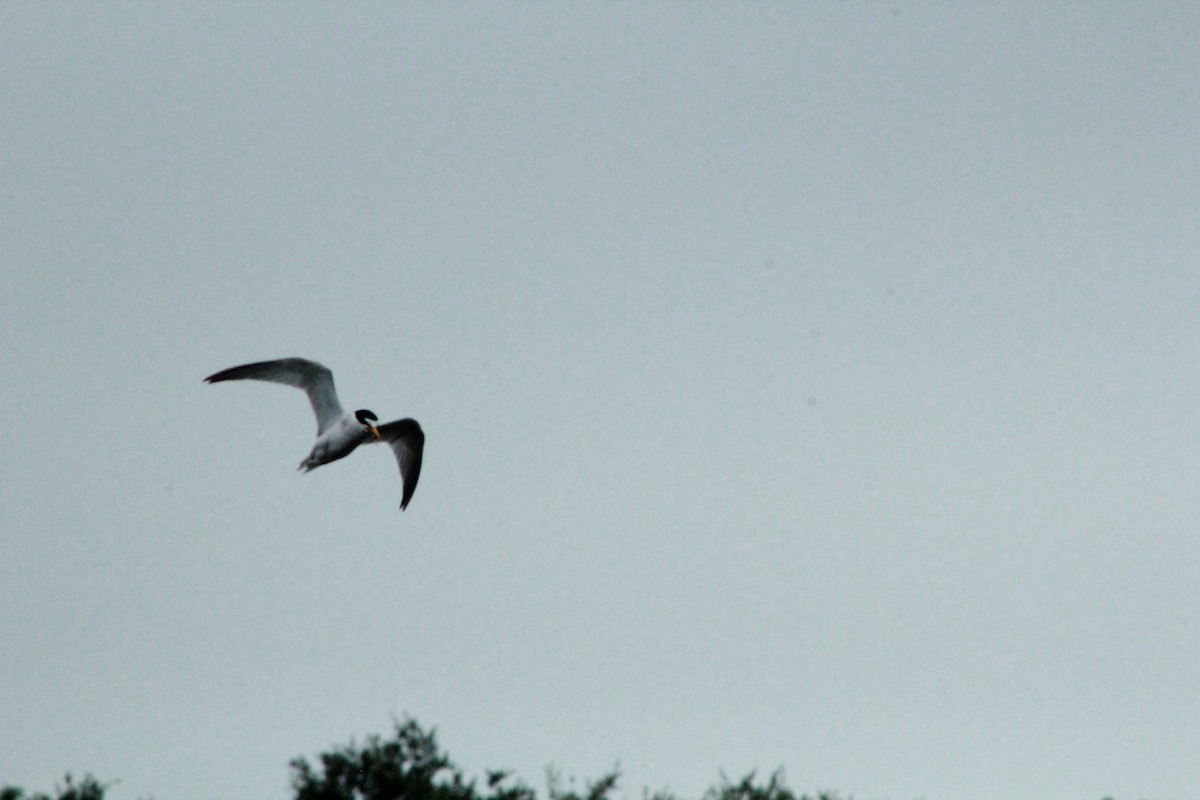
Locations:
{"points": [[805, 385]]}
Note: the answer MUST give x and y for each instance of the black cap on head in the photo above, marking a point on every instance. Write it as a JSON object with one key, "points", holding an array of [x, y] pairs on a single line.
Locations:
{"points": [[365, 417]]}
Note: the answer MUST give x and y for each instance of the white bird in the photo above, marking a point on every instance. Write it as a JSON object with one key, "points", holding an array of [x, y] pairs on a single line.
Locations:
{"points": [[338, 432]]}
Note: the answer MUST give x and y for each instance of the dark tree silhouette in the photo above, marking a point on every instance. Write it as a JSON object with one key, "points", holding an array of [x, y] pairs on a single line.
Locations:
{"points": [[87, 789], [747, 789], [408, 766]]}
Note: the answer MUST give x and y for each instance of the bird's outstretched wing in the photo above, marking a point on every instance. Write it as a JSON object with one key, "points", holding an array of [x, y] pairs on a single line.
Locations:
{"points": [[315, 379], [407, 441]]}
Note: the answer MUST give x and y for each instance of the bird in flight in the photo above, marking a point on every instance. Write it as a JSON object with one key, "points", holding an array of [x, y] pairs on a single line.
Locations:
{"points": [[338, 432]]}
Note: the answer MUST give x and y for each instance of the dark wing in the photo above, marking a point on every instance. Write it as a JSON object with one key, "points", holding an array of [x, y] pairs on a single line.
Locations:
{"points": [[407, 441], [315, 379]]}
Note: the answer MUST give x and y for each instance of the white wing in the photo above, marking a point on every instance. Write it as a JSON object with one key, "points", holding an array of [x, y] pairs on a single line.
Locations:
{"points": [[315, 379], [407, 441]]}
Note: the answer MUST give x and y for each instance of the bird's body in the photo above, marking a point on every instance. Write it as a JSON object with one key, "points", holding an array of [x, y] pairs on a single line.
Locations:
{"points": [[339, 441], [339, 432]]}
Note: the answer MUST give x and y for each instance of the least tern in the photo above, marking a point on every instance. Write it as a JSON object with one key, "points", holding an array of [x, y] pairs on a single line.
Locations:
{"points": [[338, 432]]}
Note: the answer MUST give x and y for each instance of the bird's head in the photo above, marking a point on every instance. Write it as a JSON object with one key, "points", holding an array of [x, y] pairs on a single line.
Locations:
{"points": [[366, 417]]}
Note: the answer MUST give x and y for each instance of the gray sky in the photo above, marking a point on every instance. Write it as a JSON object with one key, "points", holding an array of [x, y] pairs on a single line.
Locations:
{"points": [[804, 385]]}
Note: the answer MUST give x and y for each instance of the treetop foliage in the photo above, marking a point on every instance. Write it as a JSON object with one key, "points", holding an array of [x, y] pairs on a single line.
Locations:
{"points": [[409, 765], [87, 789]]}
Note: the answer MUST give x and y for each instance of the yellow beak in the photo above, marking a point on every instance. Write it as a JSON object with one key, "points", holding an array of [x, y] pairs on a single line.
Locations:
{"points": [[374, 432]]}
